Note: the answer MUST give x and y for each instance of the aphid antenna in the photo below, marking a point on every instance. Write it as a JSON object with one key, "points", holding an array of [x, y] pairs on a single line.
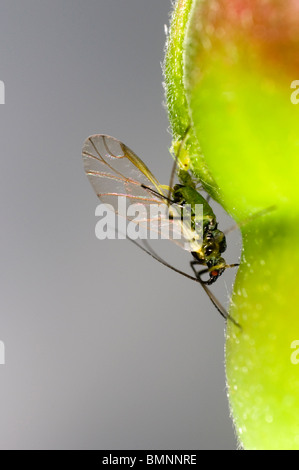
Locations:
{"points": [[156, 193]]}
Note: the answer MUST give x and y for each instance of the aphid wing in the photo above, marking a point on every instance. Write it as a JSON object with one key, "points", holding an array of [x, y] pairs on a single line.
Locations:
{"points": [[183, 233], [150, 180], [114, 170], [105, 153]]}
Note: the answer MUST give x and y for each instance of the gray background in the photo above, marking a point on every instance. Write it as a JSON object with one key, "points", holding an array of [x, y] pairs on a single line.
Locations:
{"points": [[105, 348]]}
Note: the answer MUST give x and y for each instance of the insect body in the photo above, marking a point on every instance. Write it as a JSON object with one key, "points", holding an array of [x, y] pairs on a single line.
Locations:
{"points": [[214, 242], [114, 170]]}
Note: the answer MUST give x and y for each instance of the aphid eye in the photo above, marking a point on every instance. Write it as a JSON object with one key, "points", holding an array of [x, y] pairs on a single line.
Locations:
{"points": [[214, 273]]}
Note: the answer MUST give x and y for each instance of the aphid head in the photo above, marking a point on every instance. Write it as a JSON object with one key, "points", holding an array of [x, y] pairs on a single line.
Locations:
{"points": [[216, 268]]}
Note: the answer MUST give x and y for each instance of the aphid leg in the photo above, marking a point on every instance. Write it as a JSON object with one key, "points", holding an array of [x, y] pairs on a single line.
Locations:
{"points": [[149, 250], [220, 307], [174, 167], [213, 299], [198, 274]]}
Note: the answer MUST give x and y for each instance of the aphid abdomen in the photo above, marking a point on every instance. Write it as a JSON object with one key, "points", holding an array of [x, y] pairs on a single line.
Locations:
{"points": [[187, 195]]}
